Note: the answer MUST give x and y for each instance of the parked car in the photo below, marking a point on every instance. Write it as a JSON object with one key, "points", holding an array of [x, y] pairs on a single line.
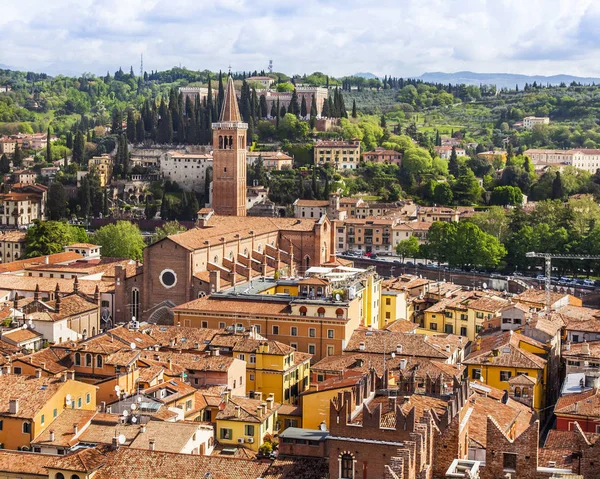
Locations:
{"points": [[588, 282]]}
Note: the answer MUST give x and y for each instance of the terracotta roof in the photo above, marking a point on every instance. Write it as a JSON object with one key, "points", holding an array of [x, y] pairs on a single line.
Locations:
{"points": [[22, 463], [298, 468], [62, 426], [34, 393], [71, 305], [402, 326], [503, 349], [228, 227], [416, 345], [584, 404], [20, 335], [312, 203], [168, 436], [149, 373], [187, 361], [337, 144], [579, 350], [349, 379], [420, 404], [48, 259], [539, 296], [123, 358], [578, 313], [54, 361], [178, 390], [184, 338], [128, 336], [240, 306], [12, 282], [86, 460], [247, 410], [505, 415], [12, 236], [143, 464], [83, 245]]}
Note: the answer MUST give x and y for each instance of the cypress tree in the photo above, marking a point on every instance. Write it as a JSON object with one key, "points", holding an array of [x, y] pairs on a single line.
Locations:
{"points": [[255, 106], [294, 108], [558, 190], [332, 111], [453, 163], [78, 148], [303, 109], [314, 187], [117, 120], [277, 114], [125, 155], [354, 115], [283, 111], [383, 122], [343, 112], [4, 164], [139, 131], [325, 111], [70, 140], [221, 94], [48, 147], [250, 131], [130, 126], [105, 203], [263, 107], [438, 140], [313, 107], [273, 110], [209, 98]]}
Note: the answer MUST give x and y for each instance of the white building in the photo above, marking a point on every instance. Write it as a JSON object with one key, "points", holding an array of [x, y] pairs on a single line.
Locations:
{"points": [[187, 169], [20, 209], [581, 158], [530, 121]]}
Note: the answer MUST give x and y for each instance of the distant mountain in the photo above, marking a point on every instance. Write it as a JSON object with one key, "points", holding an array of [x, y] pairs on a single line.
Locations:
{"points": [[366, 75], [502, 80], [4, 67]]}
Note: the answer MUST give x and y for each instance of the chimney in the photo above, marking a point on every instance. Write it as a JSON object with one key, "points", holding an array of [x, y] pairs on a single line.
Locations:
{"points": [[97, 294], [170, 363], [13, 406], [71, 375], [259, 411], [172, 343], [361, 346], [76, 285], [157, 357], [43, 365], [6, 369], [36, 293], [63, 378], [392, 403], [151, 444], [216, 352], [447, 348], [51, 436], [399, 348], [197, 345], [103, 406], [38, 373], [75, 429], [403, 364], [238, 410], [568, 346], [47, 260], [258, 395], [270, 401], [57, 297], [142, 429], [215, 281], [264, 407], [115, 443]]}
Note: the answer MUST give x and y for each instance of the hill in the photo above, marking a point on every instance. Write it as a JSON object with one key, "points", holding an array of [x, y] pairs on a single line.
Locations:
{"points": [[502, 80]]}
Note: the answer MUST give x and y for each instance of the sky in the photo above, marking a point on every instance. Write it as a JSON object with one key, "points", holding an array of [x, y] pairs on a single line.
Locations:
{"points": [[337, 37]]}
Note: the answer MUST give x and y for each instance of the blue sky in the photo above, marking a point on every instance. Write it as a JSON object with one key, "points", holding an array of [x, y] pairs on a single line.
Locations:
{"points": [[338, 37]]}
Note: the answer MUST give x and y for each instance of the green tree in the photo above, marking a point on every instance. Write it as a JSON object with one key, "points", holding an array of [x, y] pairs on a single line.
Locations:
{"points": [[472, 247], [466, 188], [50, 237], [354, 113], [442, 194], [17, 157], [121, 240], [79, 148], [558, 190], [57, 201], [48, 147], [303, 108], [440, 238], [453, 163], [4, 164], [408, 248], [168, 229]]}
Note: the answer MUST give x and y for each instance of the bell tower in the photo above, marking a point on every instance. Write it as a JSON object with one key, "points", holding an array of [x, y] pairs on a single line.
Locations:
{"points": [[229, 158]]}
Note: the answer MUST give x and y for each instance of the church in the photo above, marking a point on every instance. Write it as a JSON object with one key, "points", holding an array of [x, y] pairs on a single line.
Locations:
{"points": [[226, 248]]}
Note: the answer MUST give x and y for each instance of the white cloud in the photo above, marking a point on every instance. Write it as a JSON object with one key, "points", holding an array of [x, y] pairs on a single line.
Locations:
{"points": [[398, 37]]}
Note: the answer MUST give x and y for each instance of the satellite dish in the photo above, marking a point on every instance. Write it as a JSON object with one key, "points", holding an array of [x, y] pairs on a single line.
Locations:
{"points": [[484, 285], [323, 426], [133, 406], [338, 297], [121, 439], [393, 355], [25, 326], [68, 397], [125, 413], [132, 345], [31, 325], [139, 399], [118, 389], [134, 420]]}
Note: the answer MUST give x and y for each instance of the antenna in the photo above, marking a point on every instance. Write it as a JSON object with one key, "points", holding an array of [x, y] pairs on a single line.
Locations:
{"points": [[270, 66]]}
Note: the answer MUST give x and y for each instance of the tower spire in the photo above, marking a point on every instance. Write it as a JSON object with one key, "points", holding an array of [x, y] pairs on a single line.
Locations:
{"points": [[230, 110]]}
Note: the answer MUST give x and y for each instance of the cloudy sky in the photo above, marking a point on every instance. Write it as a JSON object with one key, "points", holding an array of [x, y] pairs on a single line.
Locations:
{"points": [[338, 37]]}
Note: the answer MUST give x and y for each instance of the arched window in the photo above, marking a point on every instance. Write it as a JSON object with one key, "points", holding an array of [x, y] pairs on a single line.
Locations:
{"points": [[88, 360], [84, 334], [347, 467], [321, 312], [231, 255], [525, 392], [517, 392], [74, 476], [135, 303], [59, 475], [94, 331], [303, 310], [245, 251], [77, 359], [339, 313], [220, 142], [99, 361], [307, 261]]}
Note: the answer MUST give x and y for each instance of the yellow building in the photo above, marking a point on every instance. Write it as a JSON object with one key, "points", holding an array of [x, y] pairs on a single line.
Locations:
{"points": [[103, 166], [28, 404], [343, 155], [496, 358], [247, 421], [274, 368], [463, 313]]}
